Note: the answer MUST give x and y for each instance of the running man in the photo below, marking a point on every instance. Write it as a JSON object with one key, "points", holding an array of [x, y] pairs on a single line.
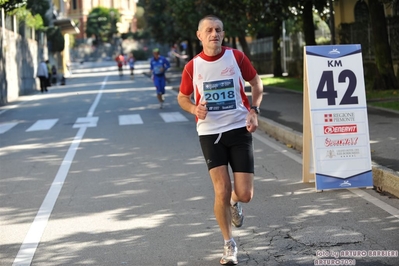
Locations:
{"points": [[225, 120], [159, 65]]}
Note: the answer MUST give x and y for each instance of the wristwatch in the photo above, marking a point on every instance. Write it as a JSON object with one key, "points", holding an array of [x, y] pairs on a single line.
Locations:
{"points": [[256, 109]]}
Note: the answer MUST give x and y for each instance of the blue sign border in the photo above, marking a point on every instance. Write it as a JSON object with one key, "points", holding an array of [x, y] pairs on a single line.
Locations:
{"points": [[361, 180], [333, 51]]}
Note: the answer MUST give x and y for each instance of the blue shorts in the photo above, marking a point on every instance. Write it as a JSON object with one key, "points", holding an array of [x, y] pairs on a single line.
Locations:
{"points": [[160, 82]]}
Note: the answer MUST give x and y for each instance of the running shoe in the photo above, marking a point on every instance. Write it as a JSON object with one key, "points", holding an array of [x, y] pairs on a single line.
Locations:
{"points": [[229, 254], [237, 217]]}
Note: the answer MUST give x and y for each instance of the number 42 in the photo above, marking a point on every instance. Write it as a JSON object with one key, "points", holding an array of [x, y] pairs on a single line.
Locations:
{"points": [[329, 93]]}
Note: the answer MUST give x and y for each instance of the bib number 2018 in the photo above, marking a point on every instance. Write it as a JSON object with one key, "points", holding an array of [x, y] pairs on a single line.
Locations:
{"points": [[217, 96], [326, 89]]}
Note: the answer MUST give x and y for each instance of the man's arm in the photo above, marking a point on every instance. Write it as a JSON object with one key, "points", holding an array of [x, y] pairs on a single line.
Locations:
{"points": [[256, 90], [200, 111], [185, 103], [257, 94], [167, 64]]}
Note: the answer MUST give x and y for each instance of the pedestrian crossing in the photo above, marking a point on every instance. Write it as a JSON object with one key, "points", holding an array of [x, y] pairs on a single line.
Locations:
{"points": [[123, 120], [44, 124]]}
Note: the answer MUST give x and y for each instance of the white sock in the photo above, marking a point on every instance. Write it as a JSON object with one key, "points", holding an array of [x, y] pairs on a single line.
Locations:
{"points": [[231, 239]]}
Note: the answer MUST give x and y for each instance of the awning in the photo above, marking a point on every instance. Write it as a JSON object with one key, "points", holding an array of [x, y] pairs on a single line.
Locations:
{"points": [[67, 26]]}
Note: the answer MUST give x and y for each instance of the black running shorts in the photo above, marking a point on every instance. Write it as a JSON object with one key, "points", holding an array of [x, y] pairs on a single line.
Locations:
{"points": [[232, 147]]}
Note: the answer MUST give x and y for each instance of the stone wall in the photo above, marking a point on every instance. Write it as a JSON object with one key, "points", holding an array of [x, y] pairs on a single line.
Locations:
{"points": [[18, 63]]}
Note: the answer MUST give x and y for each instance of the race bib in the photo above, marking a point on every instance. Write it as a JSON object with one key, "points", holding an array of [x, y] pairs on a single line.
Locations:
{"points": [[220, 95], [158, 69]]}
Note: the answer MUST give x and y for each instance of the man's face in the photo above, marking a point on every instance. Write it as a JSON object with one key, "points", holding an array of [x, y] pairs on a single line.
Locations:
{"points": [[211, 33], [155, 54]]}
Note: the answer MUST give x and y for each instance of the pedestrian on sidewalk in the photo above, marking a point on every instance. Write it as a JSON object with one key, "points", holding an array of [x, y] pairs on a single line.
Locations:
{"points": [[159, 64], [42, 74], [54, 77], [49, 73], [131, 62], [120, 61], [225, 120]]}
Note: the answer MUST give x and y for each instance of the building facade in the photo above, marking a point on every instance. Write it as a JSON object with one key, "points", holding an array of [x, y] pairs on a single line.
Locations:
{"points": [[78, 10]]}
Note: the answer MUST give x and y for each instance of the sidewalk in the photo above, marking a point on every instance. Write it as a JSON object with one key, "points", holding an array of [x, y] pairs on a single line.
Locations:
{"points": [[282, 118]]}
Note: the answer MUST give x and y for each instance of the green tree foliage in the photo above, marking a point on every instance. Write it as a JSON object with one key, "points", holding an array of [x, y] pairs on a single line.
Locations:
{"points": [[101, 24], [160, 21], [26, 16], [304, 10], [56, 41], [31, 12], [10, 5], [241, 18], [185, 26], [172, 20], [34, 6]]}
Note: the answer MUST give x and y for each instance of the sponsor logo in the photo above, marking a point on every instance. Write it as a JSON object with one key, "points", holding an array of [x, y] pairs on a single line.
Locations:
{"points": [[348, 153], [334, 51], [340, 142], [345, 153], [330, 154], [345, 184], [340, 129], [200, 77], [339, 117], [228, 71]]}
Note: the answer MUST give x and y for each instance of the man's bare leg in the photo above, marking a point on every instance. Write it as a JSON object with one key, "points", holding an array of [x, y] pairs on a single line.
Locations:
{"points": [[243, 187], [222, 187]]}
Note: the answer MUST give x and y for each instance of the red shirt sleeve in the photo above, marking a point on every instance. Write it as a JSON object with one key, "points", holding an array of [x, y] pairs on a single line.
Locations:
{"points": [[248, 72], [186, 84]]}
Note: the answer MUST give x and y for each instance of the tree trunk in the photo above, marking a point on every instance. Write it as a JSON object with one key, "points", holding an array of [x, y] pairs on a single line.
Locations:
{"points": [[234, 42], [277, 69], [308, 25], [244, 45], [386, 79]]}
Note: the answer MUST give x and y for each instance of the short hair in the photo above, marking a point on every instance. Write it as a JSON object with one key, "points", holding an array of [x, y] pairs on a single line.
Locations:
{"points": [[209, 17]]}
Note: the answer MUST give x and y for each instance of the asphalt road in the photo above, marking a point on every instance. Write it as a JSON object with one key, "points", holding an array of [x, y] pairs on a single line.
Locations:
{"points": [[94, 173]]}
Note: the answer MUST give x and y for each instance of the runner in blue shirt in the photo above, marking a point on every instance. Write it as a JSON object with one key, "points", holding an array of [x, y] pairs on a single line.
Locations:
{"points": [[159, 65]]}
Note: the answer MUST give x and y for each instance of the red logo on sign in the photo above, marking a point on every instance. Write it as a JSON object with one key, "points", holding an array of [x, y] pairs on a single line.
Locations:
{"points": [[339, 117], [340, 129], [340, 142], [328, 118]]}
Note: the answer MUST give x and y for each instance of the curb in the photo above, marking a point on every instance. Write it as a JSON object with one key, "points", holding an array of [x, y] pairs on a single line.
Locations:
{"points": [[384, 179]]}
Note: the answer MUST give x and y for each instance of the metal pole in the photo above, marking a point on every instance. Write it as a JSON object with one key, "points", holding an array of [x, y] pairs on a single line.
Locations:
{"points": [[283, 47], [3, 26], [332, 22]]}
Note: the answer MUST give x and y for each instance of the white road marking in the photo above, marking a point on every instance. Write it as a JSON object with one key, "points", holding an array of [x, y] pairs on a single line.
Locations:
{"points": [[173, 117], [43, 124], [361, 193], [130, 120], [7, 126], [85, 122], [379, 203], [32, 238]]}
